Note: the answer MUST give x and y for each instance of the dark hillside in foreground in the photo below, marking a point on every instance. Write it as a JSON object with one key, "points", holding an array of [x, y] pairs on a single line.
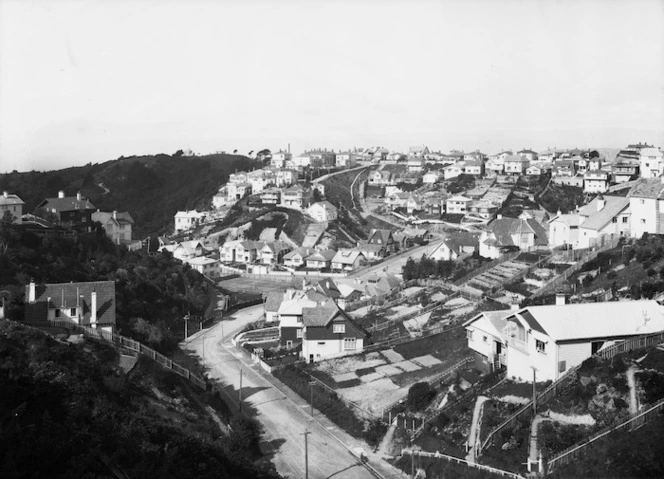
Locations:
{"points": [[152, 188], [68, 410]]}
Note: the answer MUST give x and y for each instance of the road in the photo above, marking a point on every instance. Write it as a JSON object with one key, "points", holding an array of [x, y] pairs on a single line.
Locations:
{"points": [[393, 264], [283, 415]]}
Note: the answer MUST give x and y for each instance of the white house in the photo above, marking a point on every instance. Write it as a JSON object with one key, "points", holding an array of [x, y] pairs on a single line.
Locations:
{"points": [[186, 220], [484, 333], [564, 230], [13, 205], [457, 204], [345, 159], [431, 177], [329, 333], [603, 216], [323, 211], [455, 247], [205, 265], [347, 260], [237, 191], [523, 233], [651, 162], [646, 204], [554, 338], [290, 317], [595, 182], [280, 159], [452, 171], [516, 165]]}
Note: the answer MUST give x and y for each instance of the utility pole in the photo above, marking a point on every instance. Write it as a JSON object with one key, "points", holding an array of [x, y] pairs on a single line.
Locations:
{"points": [[311, 386], [306, 455], [534, 390], [186, 323], [240, 391]]}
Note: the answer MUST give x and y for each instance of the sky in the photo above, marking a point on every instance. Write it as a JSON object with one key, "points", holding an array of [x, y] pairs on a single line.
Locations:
{"points": [[89, 81]]}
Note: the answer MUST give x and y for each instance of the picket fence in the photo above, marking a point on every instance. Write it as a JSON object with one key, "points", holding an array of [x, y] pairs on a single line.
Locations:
{"points": [[445, 457], [135, 346], [640, 342], [633, 423]]}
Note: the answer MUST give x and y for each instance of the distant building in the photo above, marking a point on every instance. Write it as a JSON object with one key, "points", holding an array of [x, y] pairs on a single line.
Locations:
{"points": [[323, 211], [297, 197], [89, 304], [646, 205], [117, 225], [74, 211], [516, 165], [651, 162], [186, 220], [13, 205], [280, 159]]}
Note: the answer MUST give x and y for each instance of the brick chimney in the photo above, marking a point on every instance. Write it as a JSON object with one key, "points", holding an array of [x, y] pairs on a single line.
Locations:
{"points": [[32, 297], [61, 194], [93, 309], [78, 196]]}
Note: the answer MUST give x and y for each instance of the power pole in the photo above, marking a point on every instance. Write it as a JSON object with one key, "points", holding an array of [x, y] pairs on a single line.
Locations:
{"points": [[306, 455], [311, 385], [534, 390], [186, 323]]}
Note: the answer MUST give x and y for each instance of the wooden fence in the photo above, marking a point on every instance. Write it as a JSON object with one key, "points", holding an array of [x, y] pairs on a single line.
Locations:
{"points": [[640, 342], [135, 346], [633, 423], [437, 455]]}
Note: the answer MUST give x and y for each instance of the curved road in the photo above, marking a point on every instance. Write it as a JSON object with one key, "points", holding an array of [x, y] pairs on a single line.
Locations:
{"points": [[283, 414]]}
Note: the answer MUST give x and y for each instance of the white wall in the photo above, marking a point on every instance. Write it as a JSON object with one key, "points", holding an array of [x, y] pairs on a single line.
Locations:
{"points": [[573, 354], [519, 363], [328, 348], [644, 216]]}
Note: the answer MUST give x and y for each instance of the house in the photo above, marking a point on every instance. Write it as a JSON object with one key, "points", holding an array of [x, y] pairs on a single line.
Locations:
{"points": [[534, 170], [595, 182], [482, 209], [452, 171], [347, 260], [603, 216], [205, 265], [345, 159], [456, 246], [474, 167], [227, 251], [484, 333], [555, 338], [75, 211], [237, 191], [185, 250], [457, 204], [431, 177], [271, 196], [323, 211], [494, 167], [415, 163], [595, 163], [117, 226], [321, 158], [296, 258], [329, 333], [186, 220], [297, 197], [413, 204], [280, 159], [502, 233], [320, 259], [273, 300], [286, 177], [651, 162], [89, 304], [529, 155], [290, 314], [516, 165], [475, 157], [433, 206], [273, 252], [418, 151], [646, 205], [247, 251], [259, 180], [11, 205], [220, 198], [550, 154], [564, 230], [564, 168], [384, 239], [625, 170]]}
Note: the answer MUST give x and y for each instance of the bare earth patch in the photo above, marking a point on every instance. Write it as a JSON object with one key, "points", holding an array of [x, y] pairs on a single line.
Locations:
{"points": [[427, 361], [388, 370], [407, 366], [339, 378], [368, 378], [392, 356], [383, 393]]}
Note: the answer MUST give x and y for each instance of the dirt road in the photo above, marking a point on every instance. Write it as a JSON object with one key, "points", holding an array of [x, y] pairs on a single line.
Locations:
{"points": [[284, 416]]}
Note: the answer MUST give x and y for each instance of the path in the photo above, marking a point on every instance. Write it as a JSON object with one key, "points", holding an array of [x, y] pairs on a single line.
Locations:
{"points": [[533, 450], [386, 443], [473, 437], [633, 401], [106, 190], [282, 413]]}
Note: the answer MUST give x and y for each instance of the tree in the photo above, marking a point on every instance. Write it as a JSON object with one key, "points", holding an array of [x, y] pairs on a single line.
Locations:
{"points": [[419, 396]]}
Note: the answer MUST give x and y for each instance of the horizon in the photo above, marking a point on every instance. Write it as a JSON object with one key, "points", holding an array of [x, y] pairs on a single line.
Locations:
{"points": [[87, 85]]}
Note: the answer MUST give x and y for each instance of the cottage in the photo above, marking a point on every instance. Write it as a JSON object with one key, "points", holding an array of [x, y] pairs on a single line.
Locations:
{"points": [[372, 252], [564, 230], [646, 204], [347, 260], [603, 216], [383, 238], [186, 220], [529, 155], [290, 317], [117, 226], [452, 171], [297, 197], [457, 204], [323, 211], [205, 265], [502, 233], [296, 258], [455, 247], [11, 205], [320, 259], [273, 252], [89, 304], [329, 333], [516, 165], [474, 167], [484, 333], [273, 300]]}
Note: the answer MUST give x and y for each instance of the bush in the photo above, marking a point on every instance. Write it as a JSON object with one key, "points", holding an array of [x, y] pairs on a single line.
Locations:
{"points": [[419, 396]]}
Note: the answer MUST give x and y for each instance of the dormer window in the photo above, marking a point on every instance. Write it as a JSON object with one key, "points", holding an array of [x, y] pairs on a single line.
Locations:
{"points": [[339, 328]]}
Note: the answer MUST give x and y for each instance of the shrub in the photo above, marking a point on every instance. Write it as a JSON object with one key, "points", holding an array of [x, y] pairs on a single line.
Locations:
{"points": [[419, 396]]}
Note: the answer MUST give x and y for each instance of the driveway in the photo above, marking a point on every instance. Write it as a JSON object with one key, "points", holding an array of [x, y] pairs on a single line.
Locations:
{"points": [[283, 414]]}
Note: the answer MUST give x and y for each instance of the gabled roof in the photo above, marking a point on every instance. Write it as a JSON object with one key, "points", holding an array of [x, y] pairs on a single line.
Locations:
{"points": [[120, 217], [571, 220], [7, 200], [492, 322], [193, 214], [274, 300], [324, 204], [614, 205], [458, 241], [515, 158], [321, 315], [648, 188], [303, 252], [71, 295], [68, 203], [504, 228], [325, 255], [383, 235], [347, 256], [594, 320]]}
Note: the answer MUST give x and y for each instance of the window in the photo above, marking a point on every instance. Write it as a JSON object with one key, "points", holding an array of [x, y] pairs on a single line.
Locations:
{"points": [[469, 334], [540, 346], [321, 343], [289, 344], [643, 202], [72, 312], [57, 313], [299, 333], [614, 220], [643, 221], [350, 344], [339, 328], [624, 219], [562, 366], [485, 339]]}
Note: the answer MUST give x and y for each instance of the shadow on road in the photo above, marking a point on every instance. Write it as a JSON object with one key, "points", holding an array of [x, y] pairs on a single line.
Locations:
{"points": [[344, 469]]}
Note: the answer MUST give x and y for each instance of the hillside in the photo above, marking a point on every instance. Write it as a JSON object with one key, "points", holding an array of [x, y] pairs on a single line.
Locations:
{"points": [[152, 188], [69, 410]]}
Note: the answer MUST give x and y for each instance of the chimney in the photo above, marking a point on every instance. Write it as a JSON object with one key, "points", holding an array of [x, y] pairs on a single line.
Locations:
{"points": [[5, 194], [561, 298], [32, 297], [115, 215], [61, 194], [601, 203], [515, 306], [78, 196], [93, 309], [499, 216]]}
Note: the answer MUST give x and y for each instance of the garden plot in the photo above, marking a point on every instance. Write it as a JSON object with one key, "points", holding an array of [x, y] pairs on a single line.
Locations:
{"points": [[402, 310], [411, 291], [414, 326]]}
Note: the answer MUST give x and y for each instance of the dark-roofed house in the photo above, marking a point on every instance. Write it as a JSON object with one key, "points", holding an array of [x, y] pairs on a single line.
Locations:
{"points": [[321, 259], [384, 239], [117, 225], [456, 246], [329, 333], [501, 233], [13, 205], [87, 304], [74, 211]]}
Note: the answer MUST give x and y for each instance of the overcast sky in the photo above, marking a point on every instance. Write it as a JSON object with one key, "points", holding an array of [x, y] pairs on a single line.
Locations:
{"points": [[88, 81]]}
